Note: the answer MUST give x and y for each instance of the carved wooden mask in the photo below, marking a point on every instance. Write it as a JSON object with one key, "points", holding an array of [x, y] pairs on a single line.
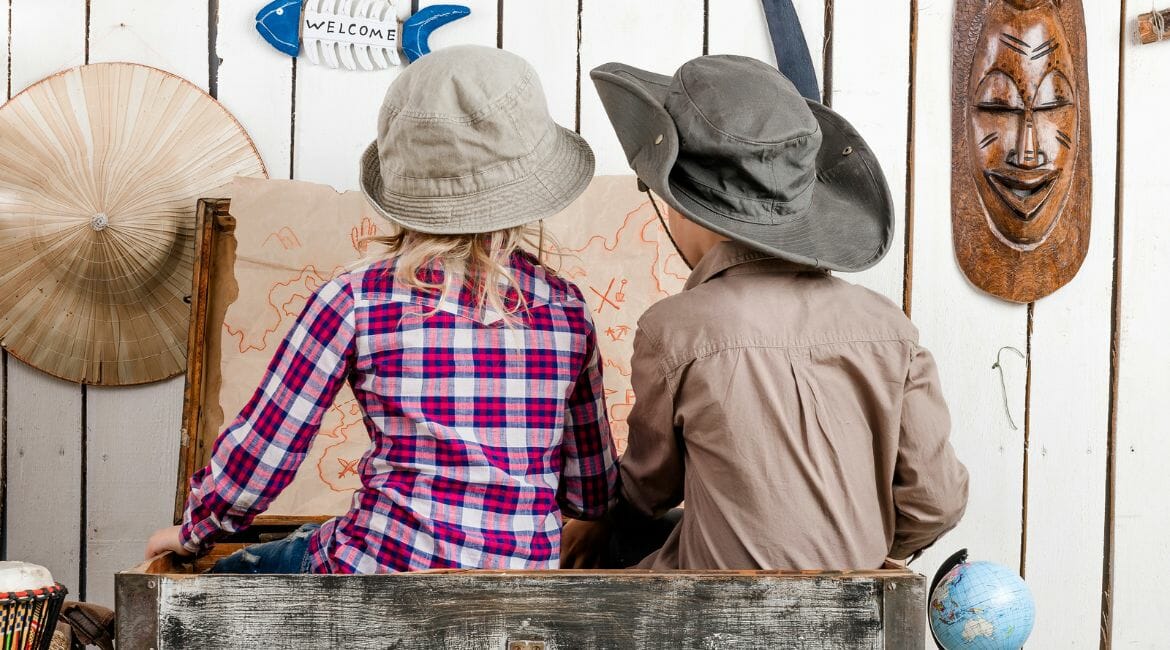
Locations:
{"points": [[1021, 173]]}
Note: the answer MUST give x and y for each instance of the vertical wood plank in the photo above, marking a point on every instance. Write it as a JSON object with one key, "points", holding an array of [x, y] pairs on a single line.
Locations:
{"points": [[47, 36], [336, 110], [255, 83], [656, 35], [963, 327], [132, 432], [545, 33], [44, 413], [1141, 518], [5, 35], [870, 79], [740, 27], [171, 36], [44, 458], [1069, 412]]}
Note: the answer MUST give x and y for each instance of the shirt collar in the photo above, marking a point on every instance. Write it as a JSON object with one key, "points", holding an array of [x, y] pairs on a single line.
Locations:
{"points": [[733, 258]]}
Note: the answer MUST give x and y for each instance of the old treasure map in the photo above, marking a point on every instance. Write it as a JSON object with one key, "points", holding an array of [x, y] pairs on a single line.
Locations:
{"points": [[294, 236]]}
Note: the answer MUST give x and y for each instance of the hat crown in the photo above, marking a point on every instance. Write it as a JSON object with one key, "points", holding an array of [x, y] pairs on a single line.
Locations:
{"points": [[461, 120], [747, 139]]}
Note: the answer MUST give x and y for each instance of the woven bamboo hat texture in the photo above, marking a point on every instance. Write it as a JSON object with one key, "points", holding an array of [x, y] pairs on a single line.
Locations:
{"points": [[101, 168]]}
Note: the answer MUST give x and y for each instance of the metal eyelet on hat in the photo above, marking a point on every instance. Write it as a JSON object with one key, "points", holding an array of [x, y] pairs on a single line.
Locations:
{"points": [[848, 150], [658, 140]]}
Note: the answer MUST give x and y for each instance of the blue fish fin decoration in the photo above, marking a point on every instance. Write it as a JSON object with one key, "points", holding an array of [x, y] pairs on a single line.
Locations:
{"points": [[279, 22], [417, 29]]}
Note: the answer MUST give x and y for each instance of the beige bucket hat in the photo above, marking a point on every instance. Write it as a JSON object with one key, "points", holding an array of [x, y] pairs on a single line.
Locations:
{"points": [[466, 145]]}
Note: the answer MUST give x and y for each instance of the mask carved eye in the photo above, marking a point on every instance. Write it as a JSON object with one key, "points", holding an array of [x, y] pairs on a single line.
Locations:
{"points": [[1055, 91], [998, 93]]}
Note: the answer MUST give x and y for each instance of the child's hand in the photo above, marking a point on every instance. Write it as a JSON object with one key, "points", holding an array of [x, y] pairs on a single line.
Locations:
{"points": [[163, 540]]}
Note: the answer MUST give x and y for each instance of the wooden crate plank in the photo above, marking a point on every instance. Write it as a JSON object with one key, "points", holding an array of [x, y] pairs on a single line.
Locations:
{"points": [[1069, 411], [545, 33], [656, 35], [480, 610], [963, 327], [167, 35], [255, 83], [44, 462], [870, 85], [47, 36], [1140, 516], [132, 431], [44, 414]]}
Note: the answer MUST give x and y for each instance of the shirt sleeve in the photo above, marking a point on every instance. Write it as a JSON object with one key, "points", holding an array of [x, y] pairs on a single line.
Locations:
{"points": [[588, 487], [930, 484], [256, 457], [652, 468]]}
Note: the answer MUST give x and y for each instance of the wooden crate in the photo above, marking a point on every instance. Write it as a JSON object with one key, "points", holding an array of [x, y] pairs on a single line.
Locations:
{"points": [[163, 605]]}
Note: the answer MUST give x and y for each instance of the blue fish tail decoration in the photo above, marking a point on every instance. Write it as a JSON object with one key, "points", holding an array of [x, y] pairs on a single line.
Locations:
{"points": [[417, 29], [279, 22]]}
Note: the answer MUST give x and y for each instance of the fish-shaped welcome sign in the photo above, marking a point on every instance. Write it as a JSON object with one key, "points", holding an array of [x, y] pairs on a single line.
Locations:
{"points": [[351, 34]]}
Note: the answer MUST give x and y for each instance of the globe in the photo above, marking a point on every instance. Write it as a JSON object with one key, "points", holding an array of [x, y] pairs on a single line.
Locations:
{"points": [[982, 606]]}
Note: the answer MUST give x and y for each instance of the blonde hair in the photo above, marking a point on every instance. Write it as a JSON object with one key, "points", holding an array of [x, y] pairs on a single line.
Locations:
{"points": [[481, 260]]}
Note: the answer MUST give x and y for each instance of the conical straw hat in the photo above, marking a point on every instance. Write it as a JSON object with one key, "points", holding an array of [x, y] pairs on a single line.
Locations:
{"points": [[101, 167]]}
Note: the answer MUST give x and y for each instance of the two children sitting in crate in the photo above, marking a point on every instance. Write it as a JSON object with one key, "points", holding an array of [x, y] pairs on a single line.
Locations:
{"points": [[795, 413]]}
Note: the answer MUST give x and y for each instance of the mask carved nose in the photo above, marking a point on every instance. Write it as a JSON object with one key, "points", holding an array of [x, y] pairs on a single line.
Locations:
{"points": [[1028, 154]]}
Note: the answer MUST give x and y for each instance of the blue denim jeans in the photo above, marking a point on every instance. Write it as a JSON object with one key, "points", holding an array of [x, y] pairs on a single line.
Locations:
{"points": [[288, 555], [792, 55]]}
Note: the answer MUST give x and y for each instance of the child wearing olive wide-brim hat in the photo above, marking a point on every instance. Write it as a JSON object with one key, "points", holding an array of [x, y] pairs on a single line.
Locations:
{"points": [[476, 367], [795, 412]]}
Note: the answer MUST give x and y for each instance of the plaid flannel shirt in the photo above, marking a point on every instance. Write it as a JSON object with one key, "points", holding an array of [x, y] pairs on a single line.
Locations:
{"points": [[482, 435]]}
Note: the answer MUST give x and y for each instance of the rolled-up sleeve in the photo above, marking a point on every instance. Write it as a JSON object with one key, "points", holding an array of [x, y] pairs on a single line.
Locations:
{"points": [[652, 468], [256, 457], [930, 484]]}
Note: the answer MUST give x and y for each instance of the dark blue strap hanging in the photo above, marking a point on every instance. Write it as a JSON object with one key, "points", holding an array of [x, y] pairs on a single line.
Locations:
{"points": [[792, 55]]}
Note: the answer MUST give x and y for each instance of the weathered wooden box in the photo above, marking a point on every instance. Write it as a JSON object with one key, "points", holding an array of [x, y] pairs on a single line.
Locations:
{"points": [[164, 605]]}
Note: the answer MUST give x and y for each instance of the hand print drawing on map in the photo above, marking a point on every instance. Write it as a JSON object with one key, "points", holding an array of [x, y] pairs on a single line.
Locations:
{"points": [[291, 237]]}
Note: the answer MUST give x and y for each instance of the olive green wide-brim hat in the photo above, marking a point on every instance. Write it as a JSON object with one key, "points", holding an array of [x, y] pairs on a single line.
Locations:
{"points": [[729, 142], [466, 145]]}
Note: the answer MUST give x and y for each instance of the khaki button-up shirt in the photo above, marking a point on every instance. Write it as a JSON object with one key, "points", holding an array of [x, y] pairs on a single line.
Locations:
{"points": [[797, 416]]}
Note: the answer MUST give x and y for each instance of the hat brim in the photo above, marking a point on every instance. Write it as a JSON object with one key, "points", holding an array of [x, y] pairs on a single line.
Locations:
{"points": [[849, 224], [555, 182]]}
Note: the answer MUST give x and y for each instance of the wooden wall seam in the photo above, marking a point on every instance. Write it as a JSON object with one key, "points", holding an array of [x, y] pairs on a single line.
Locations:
{"points": [[292, 124], [1114, 350], [577, 116], [1027, 441], [706, 27], [500, 24], [911, 110], [3, 455], [213, 59], [827, 57]]}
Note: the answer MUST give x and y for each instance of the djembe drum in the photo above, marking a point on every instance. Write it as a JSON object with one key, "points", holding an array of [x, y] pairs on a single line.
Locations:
{"points": [[29, 604]]}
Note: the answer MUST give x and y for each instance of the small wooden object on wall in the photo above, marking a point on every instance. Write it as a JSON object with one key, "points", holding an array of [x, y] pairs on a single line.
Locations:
{"points": [[1153, 27], [1021, 174]]}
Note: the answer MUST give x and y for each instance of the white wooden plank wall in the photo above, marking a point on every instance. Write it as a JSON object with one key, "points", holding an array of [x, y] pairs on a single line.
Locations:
{"points": [[106, 457], [1143, 446], [963, 327], [130, 446], [5, 6], [45, 414], [1069, 411], [656, 35]]}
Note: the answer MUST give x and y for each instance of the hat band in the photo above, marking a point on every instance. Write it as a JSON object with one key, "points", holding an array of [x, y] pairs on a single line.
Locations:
{"points": [[763, 211]]}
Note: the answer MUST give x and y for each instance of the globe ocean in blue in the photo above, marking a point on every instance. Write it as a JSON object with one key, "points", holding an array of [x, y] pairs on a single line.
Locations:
{"points": [[982, 606]]}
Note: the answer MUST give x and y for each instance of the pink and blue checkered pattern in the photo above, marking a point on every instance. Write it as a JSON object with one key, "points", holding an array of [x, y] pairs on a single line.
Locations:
{"points": [[483, 435]]}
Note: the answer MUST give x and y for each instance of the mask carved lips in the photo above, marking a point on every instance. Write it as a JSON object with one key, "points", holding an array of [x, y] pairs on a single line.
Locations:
{"points": [[1024, 191]]}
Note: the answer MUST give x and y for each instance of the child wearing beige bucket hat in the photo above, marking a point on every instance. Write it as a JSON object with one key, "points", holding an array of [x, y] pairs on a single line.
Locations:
{"points": [[476, 367]]}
